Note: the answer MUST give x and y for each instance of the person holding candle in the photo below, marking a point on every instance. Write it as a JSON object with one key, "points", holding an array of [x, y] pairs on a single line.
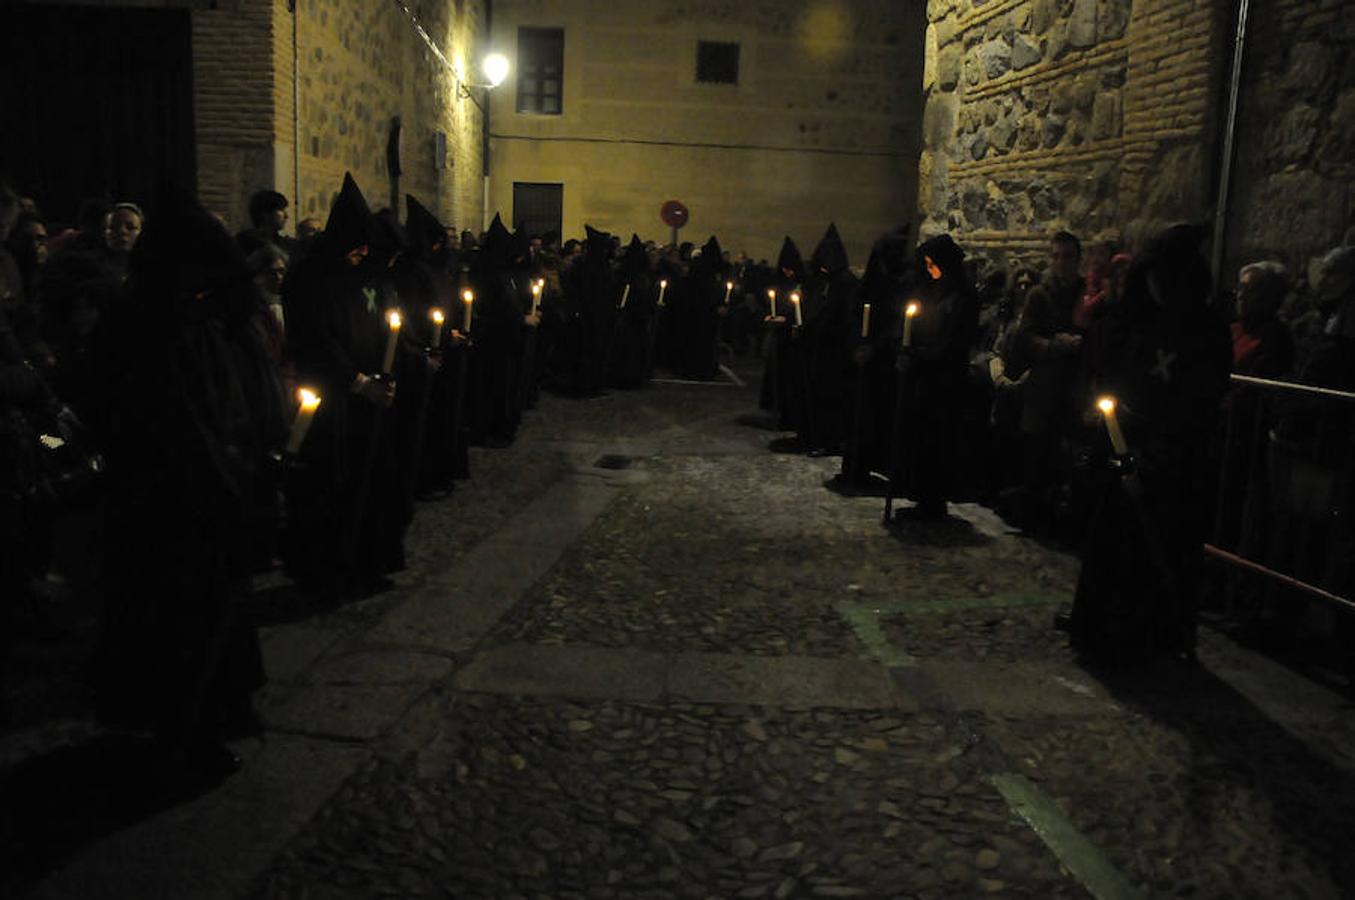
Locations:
{"points": [[887, 281], [1161, 357], [189, 409], [696, 313], [934, 367], [348, 506], [775, 396], [822, 346], [634, 319]]}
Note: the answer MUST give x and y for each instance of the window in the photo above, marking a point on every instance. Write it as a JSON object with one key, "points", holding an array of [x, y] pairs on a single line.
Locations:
{"points": [[717, 62], [538, 208], [541, 68]]}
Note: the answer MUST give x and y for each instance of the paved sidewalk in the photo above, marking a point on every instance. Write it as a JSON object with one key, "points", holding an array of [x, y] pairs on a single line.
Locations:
{"points": [[694, 672]]}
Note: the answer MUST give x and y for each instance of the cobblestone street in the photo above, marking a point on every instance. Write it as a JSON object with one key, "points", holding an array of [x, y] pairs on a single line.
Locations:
{"points": [[638, 655]]}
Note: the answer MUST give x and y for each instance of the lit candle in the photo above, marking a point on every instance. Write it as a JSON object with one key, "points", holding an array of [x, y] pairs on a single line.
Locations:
{"points": [[467, 297], [389, 362], [771, 296], [909, 314], [795, 304], [625, 295], [438, 319], [865, 321], [1107, 407], [310, 401], [536, 296], [663, 287], [729, 287]]}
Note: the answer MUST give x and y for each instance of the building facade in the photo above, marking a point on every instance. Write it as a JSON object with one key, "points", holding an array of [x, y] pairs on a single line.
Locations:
{"points": [[763, 118], [285, 94]]}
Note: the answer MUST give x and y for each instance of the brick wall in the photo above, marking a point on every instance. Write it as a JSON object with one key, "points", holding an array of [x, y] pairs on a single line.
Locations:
{"points": [[1090, 115], [361, 63], [233, 104], [364, 63]]}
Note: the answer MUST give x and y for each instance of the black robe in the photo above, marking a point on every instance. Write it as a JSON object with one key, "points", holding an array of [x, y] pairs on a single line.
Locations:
{"points": [[1136, 595]]}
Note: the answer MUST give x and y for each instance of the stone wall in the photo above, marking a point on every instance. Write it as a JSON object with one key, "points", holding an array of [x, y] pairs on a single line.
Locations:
{"points": [[1294, 190], [1092, 115], [823, 125], [361, 64]]}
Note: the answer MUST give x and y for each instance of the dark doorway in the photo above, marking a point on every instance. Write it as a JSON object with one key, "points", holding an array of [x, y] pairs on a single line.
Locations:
{"points": [[538, 208], [97, 103]]}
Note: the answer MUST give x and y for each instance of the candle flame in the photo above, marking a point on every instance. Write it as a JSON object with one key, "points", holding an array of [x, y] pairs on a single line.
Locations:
{"points": [[536, 287], [795, 297], [309, 399], [663, 283], [771, 292], [394, 319], [912, 309], [729, 285], [1106, 405], [468, 296], [438, 318]]}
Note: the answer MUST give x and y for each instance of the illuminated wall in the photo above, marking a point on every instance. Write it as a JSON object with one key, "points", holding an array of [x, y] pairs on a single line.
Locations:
{"points": [[823, 123]]}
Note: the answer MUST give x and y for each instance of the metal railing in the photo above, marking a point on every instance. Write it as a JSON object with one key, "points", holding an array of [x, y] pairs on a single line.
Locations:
{"points": [[1285, 509]]}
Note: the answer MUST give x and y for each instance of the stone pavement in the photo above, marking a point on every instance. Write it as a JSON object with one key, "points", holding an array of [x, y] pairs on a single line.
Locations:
{"points": [[694, 672]]}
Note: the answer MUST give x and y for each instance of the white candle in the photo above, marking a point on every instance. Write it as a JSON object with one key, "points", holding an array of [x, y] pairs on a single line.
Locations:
{"points": [[909, 314], [729, 287], [795, 304], [663, 287], [438, 319], [389, 362], [468, 298], [771, 296], [625, 295], [310, 401], [1117, 441], [865, 321], [536, 296]]}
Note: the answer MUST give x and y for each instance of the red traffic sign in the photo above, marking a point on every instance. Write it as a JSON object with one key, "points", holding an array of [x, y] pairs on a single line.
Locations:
{"points": [[674, 214]]}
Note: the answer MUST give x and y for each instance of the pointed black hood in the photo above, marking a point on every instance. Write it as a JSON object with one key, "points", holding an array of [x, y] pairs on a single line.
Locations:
{"points": [[790, 258], [597, 244], [635, 261], [498, 244], [830, 255], [889, 263], [423, 228], [350, 220]]}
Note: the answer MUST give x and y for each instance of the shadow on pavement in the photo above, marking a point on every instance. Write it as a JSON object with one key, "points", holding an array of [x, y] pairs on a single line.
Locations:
{"points": [[1236, 747], [53, 805]]}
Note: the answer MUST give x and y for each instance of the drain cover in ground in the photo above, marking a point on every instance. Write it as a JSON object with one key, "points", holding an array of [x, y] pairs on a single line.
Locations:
{"points": [[612, 461]]}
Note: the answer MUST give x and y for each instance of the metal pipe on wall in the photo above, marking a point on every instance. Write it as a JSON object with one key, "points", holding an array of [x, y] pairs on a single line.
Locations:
{"points": [[296, 116], [1229, 140]]}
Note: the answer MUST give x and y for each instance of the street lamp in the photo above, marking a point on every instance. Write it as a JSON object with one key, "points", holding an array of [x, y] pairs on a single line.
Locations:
{"points": [[495, 68]]}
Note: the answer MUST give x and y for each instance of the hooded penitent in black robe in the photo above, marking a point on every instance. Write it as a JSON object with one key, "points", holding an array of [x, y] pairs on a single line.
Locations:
{"points": [[694, 315], [874, 377], [634, 318], [502, 299], [190, 406], [776, 374], [935, 384], [348, 506], [823, 346], [586, 319], [430, 286], [1166, 362]]}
